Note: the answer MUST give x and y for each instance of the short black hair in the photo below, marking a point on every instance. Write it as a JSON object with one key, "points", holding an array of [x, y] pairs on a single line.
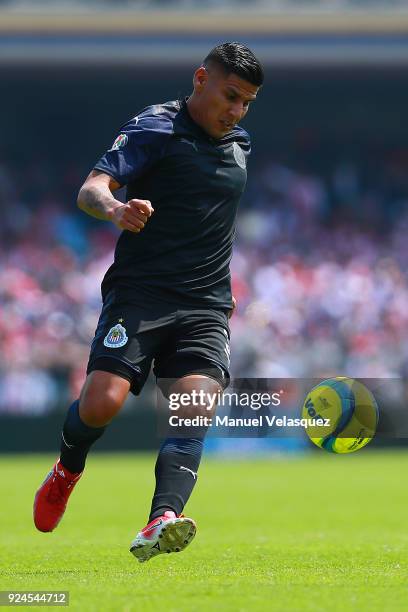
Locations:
{"points": [[237, 58]]}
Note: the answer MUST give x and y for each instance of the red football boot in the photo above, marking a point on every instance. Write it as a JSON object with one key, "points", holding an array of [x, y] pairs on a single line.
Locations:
{"points": [[165, 534], [52, 497]]}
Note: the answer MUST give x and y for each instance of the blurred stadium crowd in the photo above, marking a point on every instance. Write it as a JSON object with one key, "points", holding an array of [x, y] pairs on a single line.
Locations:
{"points": [[319, 272]]}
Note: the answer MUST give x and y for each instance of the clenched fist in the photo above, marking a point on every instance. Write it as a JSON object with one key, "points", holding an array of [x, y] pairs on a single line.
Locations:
{"points": [[133, 215]]}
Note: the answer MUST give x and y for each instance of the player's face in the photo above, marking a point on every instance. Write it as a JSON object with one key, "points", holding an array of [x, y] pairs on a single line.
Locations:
{"points": [[223, 100]]}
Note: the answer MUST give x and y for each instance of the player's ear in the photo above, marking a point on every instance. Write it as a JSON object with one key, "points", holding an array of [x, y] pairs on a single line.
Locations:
{"points": [[200, 78]]}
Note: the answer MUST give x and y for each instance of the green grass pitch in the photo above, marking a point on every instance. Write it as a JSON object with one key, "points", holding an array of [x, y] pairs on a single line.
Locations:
{"points": [[313, 532]]}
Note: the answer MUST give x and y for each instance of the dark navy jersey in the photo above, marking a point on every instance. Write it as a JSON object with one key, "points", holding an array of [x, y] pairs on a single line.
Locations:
{"points": [[194, 183]]}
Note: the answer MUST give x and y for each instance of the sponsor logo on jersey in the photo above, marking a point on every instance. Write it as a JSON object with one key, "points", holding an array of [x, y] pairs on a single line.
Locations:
{"points": [[120, 142], [116, 337], [239, 155]]}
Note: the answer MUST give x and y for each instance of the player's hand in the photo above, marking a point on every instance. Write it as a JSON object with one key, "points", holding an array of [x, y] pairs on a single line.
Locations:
{"points": [[234, 305], [133, 215]]}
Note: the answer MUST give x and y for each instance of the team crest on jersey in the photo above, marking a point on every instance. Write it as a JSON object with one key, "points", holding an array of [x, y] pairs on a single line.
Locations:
{"points": [[120, 142], [116, 337], [239, 155]]}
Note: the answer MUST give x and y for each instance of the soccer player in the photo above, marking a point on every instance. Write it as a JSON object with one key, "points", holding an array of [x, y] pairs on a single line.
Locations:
{"points": [[167, 296]]}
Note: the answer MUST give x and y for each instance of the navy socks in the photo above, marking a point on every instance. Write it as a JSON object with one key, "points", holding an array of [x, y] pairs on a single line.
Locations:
{"points": [[76, 440], [176, 474], [176, 466]]}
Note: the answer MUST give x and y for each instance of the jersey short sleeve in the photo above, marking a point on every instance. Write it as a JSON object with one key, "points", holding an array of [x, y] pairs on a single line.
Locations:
{"points": [[137, 147]]}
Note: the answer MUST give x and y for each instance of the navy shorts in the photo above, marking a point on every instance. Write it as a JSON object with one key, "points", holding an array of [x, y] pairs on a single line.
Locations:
{"points": [[178, 341]]}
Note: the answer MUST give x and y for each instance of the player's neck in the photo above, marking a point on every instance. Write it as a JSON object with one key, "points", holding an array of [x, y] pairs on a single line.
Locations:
{"points": [[194, 111]]}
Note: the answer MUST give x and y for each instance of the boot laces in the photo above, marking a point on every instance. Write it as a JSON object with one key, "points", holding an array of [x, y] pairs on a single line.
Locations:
{"points": [[59, 486]]}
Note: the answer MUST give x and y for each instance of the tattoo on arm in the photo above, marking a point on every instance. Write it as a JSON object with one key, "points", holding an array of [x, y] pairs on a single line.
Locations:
{"points": [[97, 201]]}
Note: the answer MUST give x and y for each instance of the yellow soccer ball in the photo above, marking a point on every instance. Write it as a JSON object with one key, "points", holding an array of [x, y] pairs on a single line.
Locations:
{"points": [[348, 411]]}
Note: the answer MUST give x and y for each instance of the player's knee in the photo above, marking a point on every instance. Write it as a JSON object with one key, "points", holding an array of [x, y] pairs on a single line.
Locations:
{"points": [[102, 398], [98, 410], [199, 394]]}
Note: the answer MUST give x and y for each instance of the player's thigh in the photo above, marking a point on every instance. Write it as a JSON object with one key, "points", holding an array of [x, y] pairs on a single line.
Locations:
{"points": [[204, 334], [102, 397], [200, 346]]}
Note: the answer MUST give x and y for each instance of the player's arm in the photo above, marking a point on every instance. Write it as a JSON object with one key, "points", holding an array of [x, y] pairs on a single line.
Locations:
{"points": [[96, 199]]}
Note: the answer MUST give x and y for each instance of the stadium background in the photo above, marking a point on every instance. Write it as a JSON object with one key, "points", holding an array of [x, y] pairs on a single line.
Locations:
{"points": [[320, 272], [320, 261]]}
